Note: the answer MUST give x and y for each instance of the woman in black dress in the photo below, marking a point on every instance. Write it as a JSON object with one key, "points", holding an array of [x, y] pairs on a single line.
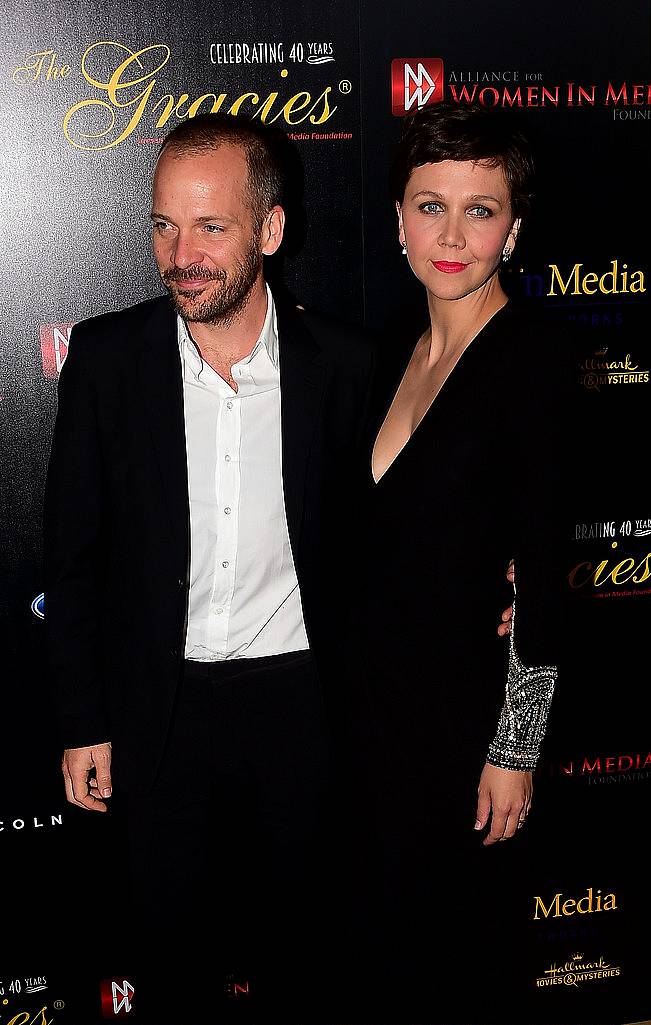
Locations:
{"points": [[459, 481]]}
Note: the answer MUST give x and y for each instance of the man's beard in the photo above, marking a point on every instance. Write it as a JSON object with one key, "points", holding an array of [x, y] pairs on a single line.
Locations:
{"points": [[230, 298]]}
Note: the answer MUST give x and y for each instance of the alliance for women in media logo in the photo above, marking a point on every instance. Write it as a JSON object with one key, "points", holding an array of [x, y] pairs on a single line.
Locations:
{"points": [[417, 82]]}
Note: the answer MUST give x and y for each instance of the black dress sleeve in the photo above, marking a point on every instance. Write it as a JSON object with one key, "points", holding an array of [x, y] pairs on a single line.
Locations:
{"points": [[537, 405]]}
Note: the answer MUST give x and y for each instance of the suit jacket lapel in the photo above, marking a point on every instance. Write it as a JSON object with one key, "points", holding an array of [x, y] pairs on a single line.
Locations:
{"points": [[162, 388], [302, 386]]}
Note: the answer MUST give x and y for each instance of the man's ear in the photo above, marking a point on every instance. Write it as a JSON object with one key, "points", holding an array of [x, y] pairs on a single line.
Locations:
{"points": [[273, 228]]}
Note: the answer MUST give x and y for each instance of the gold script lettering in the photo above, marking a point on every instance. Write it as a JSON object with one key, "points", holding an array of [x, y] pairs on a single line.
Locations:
{"points": [[122, 93], [113, 89], [41, 69]]}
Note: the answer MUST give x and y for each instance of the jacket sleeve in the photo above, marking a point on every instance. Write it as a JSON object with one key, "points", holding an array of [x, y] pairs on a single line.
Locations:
{"points": [[73, 552]]}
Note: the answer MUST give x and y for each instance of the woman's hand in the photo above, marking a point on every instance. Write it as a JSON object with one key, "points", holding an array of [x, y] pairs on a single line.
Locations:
{"points": [[506, 794]]}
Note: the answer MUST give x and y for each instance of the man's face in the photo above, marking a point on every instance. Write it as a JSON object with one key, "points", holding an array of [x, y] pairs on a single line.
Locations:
{"points": [[207, 242]]}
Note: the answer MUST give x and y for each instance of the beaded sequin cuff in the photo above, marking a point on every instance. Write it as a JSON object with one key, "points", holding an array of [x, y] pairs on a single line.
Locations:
{"points": [[523, 721]]}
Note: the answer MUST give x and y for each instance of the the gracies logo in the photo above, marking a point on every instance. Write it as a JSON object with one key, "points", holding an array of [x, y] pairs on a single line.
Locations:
{"points": [[39, 1017], [125, 96], [629, 570], [415, 82]]}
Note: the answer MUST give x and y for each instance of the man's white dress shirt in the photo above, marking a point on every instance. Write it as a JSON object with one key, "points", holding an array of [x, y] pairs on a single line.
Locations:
{"points": [[244, 596]]}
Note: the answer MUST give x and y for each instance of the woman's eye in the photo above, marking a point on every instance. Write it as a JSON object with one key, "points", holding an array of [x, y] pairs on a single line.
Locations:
{"points": [[481, 212], [430, 208]]}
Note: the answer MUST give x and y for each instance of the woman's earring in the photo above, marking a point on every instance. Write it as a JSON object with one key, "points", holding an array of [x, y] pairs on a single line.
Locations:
{"points": [[404, 248], [506, 254]]}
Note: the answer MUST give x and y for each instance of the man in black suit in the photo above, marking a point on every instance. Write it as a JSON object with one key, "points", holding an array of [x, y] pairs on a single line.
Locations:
{"points": [[195, 557]]}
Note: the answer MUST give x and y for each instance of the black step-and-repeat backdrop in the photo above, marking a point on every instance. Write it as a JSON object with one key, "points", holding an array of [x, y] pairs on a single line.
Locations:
{"points": [[87, 93]]}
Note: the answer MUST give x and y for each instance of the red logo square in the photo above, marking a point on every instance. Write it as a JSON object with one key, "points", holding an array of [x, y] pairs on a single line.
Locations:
{"points": [[415, 82], [117, 998], [54, 347]]}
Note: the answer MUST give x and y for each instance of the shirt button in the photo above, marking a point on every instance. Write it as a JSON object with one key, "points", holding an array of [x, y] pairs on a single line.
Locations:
{"points": [[227, 458], [227, 510], [219, 611], [225, 564], [229, 404]]}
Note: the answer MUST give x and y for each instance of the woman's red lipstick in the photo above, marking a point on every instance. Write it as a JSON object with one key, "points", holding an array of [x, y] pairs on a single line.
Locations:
{"points": [[449, 268]]}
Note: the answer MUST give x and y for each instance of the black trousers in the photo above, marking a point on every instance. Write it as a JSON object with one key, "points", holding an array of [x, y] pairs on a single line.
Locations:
{"points": [[228, 850]]}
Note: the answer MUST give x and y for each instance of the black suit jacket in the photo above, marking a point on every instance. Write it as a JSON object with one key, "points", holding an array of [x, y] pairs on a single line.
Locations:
{"points": [[117, 515]]}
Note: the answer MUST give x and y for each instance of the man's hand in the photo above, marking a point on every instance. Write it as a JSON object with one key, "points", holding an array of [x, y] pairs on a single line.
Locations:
{"points": [[505, 626], [87, 775], [507, 794]]}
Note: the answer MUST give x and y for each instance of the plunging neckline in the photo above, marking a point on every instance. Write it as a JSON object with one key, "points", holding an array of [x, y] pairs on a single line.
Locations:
{"points": [[434, 397]]}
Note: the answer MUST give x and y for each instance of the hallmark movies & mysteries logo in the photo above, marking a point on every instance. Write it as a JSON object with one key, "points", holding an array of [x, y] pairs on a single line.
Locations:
{"points": [[576, 971], [601, 370]]}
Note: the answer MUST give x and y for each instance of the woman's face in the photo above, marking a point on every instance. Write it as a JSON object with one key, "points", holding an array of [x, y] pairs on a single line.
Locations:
{"points": [[456, 219]]}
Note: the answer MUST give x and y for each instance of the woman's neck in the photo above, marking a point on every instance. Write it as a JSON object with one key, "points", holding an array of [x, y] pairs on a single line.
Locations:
{"points": [[455, 322]]}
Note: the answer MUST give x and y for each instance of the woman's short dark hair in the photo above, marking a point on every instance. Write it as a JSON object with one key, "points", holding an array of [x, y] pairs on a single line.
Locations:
{"points": [[447, 131], [263, 150]]}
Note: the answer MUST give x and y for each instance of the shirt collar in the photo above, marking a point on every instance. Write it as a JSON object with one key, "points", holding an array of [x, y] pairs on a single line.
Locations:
{"points": [[268, 338]]}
